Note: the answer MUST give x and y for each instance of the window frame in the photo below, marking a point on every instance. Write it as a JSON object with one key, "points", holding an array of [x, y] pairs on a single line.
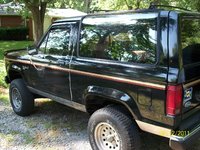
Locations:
{"points": [[55, 26], [157, 47]]}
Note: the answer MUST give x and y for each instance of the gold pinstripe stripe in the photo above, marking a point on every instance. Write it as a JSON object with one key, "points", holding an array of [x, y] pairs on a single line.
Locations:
{"points": [[191, 83], [118, 79]]}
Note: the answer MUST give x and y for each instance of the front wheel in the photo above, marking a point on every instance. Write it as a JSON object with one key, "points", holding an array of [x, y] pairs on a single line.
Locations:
{"points": [[111, 129], [21, 99]]}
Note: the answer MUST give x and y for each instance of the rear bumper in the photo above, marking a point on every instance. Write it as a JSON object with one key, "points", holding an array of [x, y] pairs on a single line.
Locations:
{"points": [[175, 142], [181, 143]]}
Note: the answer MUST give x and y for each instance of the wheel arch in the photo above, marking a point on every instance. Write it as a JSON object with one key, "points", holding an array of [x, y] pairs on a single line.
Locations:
{"points": [[13, 74], [97, 97]]}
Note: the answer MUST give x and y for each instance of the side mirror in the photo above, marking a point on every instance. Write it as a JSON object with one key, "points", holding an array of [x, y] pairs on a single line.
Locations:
{"points": [[31, 50]]}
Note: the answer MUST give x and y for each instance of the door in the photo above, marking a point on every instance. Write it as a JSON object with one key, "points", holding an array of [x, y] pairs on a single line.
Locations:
{"points": [[50, 66]]}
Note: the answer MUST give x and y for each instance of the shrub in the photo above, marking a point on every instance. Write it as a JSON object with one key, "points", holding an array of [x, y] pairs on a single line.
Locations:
{"points": [[17, 33], [2, 75], [2, 82]]}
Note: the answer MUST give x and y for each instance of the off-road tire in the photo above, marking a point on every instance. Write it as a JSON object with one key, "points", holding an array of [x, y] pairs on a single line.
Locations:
{"points": [[123, 124], [21, 99]]}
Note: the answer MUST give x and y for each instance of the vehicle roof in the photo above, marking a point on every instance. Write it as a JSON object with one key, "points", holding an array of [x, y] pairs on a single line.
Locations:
{"points": [[107, 13], [78, 18]]}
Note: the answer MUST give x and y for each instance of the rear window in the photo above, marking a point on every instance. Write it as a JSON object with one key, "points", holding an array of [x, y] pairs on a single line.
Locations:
{"points": [[125, 38], [190, 40]]}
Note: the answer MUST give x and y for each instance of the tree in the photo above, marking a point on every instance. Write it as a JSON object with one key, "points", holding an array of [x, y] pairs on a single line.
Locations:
{"points": [[194, 5], [37, 9], [82, 5], [5, 1], [87, 4], [123, 4]]}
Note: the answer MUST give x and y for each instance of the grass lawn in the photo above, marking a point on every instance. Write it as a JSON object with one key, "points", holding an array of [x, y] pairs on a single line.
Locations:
{"points": [[8, 45]]}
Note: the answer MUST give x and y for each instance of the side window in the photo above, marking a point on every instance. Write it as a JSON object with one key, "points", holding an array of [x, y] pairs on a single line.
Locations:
{"points": [[190, 40], [57, 41], [123, 38]]}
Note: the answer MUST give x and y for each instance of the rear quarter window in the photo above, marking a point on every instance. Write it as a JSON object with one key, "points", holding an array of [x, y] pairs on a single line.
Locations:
{"points": [[190, 40], [125, 38]]}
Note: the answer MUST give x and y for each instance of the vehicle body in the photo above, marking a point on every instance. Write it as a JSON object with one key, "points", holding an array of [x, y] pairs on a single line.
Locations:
{"points": [[133, 60]]}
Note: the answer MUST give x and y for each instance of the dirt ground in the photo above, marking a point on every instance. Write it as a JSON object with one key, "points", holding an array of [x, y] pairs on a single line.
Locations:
{"points": [[54, 126]]}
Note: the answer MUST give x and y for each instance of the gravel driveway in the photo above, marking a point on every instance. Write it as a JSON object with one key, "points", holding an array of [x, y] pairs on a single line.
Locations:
{"points": [[54, 126]]}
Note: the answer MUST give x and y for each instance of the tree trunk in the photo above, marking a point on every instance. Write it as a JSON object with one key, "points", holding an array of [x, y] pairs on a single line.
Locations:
{"points": [[37, 26], [38, 13], [198, 6], [87, 5], [43, 6], [129, 7], [157, 2], [138, 4]]}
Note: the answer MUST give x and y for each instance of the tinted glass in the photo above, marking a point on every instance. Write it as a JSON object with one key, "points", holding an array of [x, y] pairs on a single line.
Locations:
{"points": [[42, 47], [126, 38], [56, 42], [190, 40]]}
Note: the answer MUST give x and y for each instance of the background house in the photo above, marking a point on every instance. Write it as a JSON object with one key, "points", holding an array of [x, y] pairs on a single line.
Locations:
{"points": [[10, 18]]}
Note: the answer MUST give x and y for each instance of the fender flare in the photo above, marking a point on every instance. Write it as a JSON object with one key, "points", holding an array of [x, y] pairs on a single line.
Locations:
{"points": [[115, 96], [14, 68]]}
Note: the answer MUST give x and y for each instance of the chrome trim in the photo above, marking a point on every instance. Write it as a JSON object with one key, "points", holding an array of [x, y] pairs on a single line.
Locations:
{"points": [[165, 132], [154, 129], [117, 79], [180, 138], [63, 101]]}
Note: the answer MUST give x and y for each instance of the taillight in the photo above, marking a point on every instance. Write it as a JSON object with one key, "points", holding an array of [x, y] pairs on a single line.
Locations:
{"points": [[174, 99]]}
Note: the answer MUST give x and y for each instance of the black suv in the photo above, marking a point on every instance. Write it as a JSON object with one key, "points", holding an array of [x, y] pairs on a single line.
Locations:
{"points": [[132, 71]]}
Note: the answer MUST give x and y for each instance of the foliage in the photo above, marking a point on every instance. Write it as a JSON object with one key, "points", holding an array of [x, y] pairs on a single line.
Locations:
{"points": [[82, 5], [139, 4], [2, 75], [191, 5], [5, 1], [38, 7], [7, 45], [17, 33]]}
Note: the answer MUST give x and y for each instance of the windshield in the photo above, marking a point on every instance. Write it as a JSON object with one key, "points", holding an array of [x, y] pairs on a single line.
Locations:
{"points": [[190, 40]]}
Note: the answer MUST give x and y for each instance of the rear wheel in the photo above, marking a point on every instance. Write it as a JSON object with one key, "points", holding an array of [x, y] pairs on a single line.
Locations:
{"points": [[111, 129], [21, 99]]}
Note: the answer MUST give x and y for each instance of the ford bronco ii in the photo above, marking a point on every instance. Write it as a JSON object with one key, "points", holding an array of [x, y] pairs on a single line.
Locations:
{"points": [[132, 71]]}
